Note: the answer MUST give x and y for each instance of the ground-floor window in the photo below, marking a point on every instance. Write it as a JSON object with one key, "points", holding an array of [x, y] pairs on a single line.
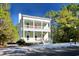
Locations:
{"points": [[27, 37], [35, 37], [28, 34]]}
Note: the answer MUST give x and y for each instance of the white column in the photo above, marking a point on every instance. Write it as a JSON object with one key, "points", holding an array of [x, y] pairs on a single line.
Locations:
{"points": [[34, 34], [41, 25], [33, 23], [23, 26], [33, 27], [42, 37]]}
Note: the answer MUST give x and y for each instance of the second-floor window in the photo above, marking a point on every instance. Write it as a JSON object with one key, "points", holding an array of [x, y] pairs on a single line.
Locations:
{"points": [[27, 25]]}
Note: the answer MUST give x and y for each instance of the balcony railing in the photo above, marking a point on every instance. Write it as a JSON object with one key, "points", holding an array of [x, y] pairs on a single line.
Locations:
{"points": [[36, 27], [30, 26], [34, 39]]}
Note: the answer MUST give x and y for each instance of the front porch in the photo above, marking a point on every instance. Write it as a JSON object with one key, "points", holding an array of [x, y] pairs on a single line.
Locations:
{"points": [[33, 37]]}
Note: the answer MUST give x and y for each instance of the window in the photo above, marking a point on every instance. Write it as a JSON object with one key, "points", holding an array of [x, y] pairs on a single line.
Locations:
{"points": [[22, 33], [27, 37], [27, 23], [35, 37]]}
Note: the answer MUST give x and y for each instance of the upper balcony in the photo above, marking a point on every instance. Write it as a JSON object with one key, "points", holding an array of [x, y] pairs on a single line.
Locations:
{"points": [[31, 26], [35, 25], [36, 28]]}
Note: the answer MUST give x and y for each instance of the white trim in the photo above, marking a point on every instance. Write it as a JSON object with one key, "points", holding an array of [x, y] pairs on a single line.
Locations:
{"points": [[35, 19], [38, 30], [43, 18]]}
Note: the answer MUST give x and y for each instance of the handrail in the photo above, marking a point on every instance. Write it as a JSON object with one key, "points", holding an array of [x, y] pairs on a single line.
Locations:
{"points": [[36, 27], [30, 26]]}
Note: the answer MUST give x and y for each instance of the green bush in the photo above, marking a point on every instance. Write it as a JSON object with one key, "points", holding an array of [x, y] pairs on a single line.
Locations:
{"points": [[21, 42]]}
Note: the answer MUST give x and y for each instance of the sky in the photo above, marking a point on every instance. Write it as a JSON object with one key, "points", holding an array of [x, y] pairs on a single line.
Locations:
{"points": [[33, 9]]}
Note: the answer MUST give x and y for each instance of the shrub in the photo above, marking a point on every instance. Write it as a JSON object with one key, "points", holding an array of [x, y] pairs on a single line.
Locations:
{"points": [[29, 44], [21, 42]]}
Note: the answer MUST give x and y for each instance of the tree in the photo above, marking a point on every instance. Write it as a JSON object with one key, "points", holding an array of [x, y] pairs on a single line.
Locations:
{"points": [[74, 8], [53, 15], [7, 30], [67, 23], [15, 35]]}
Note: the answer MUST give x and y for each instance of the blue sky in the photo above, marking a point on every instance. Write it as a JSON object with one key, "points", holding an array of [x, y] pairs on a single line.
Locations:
{"points": [[34, 9]]}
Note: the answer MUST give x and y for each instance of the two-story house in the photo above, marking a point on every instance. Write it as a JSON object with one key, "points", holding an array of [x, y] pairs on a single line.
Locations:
{"points": [[33, 29]]}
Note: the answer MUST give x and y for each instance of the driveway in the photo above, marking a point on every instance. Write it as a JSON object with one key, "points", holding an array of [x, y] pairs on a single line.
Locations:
{"points": [[41, 50]]}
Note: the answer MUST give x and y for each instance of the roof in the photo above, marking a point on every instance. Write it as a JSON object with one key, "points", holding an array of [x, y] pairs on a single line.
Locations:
{"points": [[36, 17]]}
